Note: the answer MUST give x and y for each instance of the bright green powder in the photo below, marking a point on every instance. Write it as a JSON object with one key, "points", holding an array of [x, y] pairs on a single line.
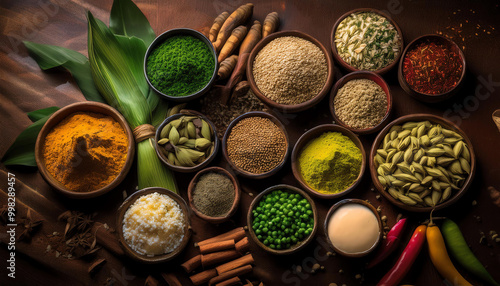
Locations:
{"points": [[330, 163], [180, 66]]}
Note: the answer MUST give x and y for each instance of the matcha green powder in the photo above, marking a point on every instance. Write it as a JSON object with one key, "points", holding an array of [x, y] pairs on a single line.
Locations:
{"points": [[180, 66]]}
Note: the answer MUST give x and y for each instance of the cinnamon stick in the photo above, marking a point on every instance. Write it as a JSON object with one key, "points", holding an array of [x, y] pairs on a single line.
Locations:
{"points": [[230, 274], [236, 234], [171, 279], [107, 239], [217, 246], [192, 264], [247, 259], [218, 257], [151, 281], [242, 246], [203, 277], [229, 282]]}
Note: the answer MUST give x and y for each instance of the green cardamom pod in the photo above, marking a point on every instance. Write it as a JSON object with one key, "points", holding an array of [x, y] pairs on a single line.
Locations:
{"points": [[435, 185], [444, 161], [165, 130], [406, 200], [417, 175], [408, 156], [433, 132], [435, 152], [398, 183], [410, 125], [458, 148], [394, 135], [403, 134], [418, 155], [455, 167], [171, 158], [406, 177], [435, 196], [425, 193], [206, 130], [174, 136], [428, 201], [395, 143], [383, 181], [466, 153], [182, 140], [414, 132], [393, 193], [202, 144], [427, 180], [191, 129], [177, 122], [382, 153], [418, 168], [387, 139], [446, 194], [378, 160], [163, 141], [423, 160], [451, 140], [465, 165], [431, 161], [421, 130], [437, 139], [397, 157], [425, 141], [390, 155], [405, 168], [415, 197]]}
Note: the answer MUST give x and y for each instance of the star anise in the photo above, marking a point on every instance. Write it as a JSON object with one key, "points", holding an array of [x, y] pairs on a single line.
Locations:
{"points": [[84, 222], [29, 225]]}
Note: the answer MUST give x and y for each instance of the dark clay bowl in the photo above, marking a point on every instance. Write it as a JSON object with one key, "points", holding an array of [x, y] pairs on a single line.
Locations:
{"points": [[185, 32], [237, 194], [431, 98], [347, 66], [156, 258], [362, 75], [60, 115], [299, 245], [433, 119], [239, 170], [352, 201], [183, 169], [284, 107], [314, 133]]}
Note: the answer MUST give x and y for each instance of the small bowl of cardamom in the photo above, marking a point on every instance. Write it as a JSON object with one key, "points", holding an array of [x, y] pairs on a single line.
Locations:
{"points": [[422, 162], [187, 141], [214, 194]]}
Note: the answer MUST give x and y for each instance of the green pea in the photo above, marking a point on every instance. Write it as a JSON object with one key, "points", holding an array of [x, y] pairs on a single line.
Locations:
{"points": [[272, 246]]}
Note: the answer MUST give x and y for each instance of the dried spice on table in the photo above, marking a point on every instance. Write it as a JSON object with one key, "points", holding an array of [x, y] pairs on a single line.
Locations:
{"points": [[29, 225], [432, 68], [78, 240]]}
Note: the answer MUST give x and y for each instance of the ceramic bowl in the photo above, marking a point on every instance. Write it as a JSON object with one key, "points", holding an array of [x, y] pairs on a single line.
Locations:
{"points": [[300, 245], [362, 75], [237, 194], [60, 115], [315, 133], [183, 32], [431, 98], [434, 120], [284, 107], [347, 66], [152, 259], [239, 170]]}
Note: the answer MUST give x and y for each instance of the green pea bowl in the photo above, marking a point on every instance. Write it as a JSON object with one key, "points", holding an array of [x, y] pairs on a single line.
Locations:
{"points": [[284, 222], [165, 72]]}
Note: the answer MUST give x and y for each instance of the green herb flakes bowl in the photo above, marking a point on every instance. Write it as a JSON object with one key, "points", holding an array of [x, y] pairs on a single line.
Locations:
{"points": [[297, 221], [360, 60], [181, 64]]}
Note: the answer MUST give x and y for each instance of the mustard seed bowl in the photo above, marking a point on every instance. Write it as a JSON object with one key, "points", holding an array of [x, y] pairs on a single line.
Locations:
{"points": [[239, 170]]}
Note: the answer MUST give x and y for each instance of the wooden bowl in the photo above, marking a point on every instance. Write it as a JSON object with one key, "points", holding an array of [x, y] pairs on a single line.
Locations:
{"points": [[431, 98], [237, 194], [362, 75], [284, 107], [183, 169], [299, 245], [352, 201], [156, 258], [239, 170], [433, 119], [347, 66], [61, 114], [184, 32], [314, 133]]}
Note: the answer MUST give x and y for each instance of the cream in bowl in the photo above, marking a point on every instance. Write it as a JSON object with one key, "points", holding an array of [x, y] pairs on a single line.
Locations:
{"points": [[353, 228]]}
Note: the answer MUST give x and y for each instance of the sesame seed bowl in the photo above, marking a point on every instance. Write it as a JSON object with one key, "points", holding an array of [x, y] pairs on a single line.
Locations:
{"points": [[157, 258], [295, 55], [368, 101], [256, 145]]}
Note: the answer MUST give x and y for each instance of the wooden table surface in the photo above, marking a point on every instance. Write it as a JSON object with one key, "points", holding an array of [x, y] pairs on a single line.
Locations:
{"points": [[473, 25]]}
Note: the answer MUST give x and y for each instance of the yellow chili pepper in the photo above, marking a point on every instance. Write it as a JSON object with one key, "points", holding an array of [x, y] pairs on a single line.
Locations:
{"points": [[440, 258]]}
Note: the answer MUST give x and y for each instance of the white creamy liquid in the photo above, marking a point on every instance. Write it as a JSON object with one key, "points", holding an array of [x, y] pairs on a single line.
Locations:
{"points": [[353, 228]]}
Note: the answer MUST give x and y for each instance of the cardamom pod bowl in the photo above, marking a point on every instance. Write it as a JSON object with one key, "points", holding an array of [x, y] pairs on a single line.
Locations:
{"points": [[175, 32], [237, 194], [456, 195], [184, 169], [431, 98], [314, 133], [294, 248], [347, 66], [362, 75], [237, 169], [296, 107], [153, 259], [60, 115]]}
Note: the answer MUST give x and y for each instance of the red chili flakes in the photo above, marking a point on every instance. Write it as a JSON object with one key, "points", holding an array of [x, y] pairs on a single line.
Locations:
{"points": [[432, 68]]}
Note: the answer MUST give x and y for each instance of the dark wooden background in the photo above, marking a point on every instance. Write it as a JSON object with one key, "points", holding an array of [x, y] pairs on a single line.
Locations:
{"points": [[473, 25]]}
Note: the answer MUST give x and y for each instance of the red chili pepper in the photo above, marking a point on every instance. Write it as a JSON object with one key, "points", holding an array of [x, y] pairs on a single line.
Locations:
{"points": [[405, 261], [391, 243]]}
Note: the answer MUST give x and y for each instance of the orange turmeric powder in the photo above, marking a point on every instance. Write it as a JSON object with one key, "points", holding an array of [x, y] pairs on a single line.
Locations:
{"points": [[86, 151]]}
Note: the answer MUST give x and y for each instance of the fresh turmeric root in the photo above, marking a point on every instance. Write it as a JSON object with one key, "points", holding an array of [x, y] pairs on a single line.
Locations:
{"points": [[271, 24], [252, 38], [232, 43], [218, 22], [238, 17], [226, 67]]}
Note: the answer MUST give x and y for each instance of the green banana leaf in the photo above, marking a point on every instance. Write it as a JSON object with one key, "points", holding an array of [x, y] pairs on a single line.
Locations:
{"points": [[22, 151], [48, 57], [128, 20], [42, 113]]}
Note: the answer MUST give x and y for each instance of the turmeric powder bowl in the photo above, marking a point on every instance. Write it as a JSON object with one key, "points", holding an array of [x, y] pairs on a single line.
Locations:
{"points": [[85, 149], [314, 153]]}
